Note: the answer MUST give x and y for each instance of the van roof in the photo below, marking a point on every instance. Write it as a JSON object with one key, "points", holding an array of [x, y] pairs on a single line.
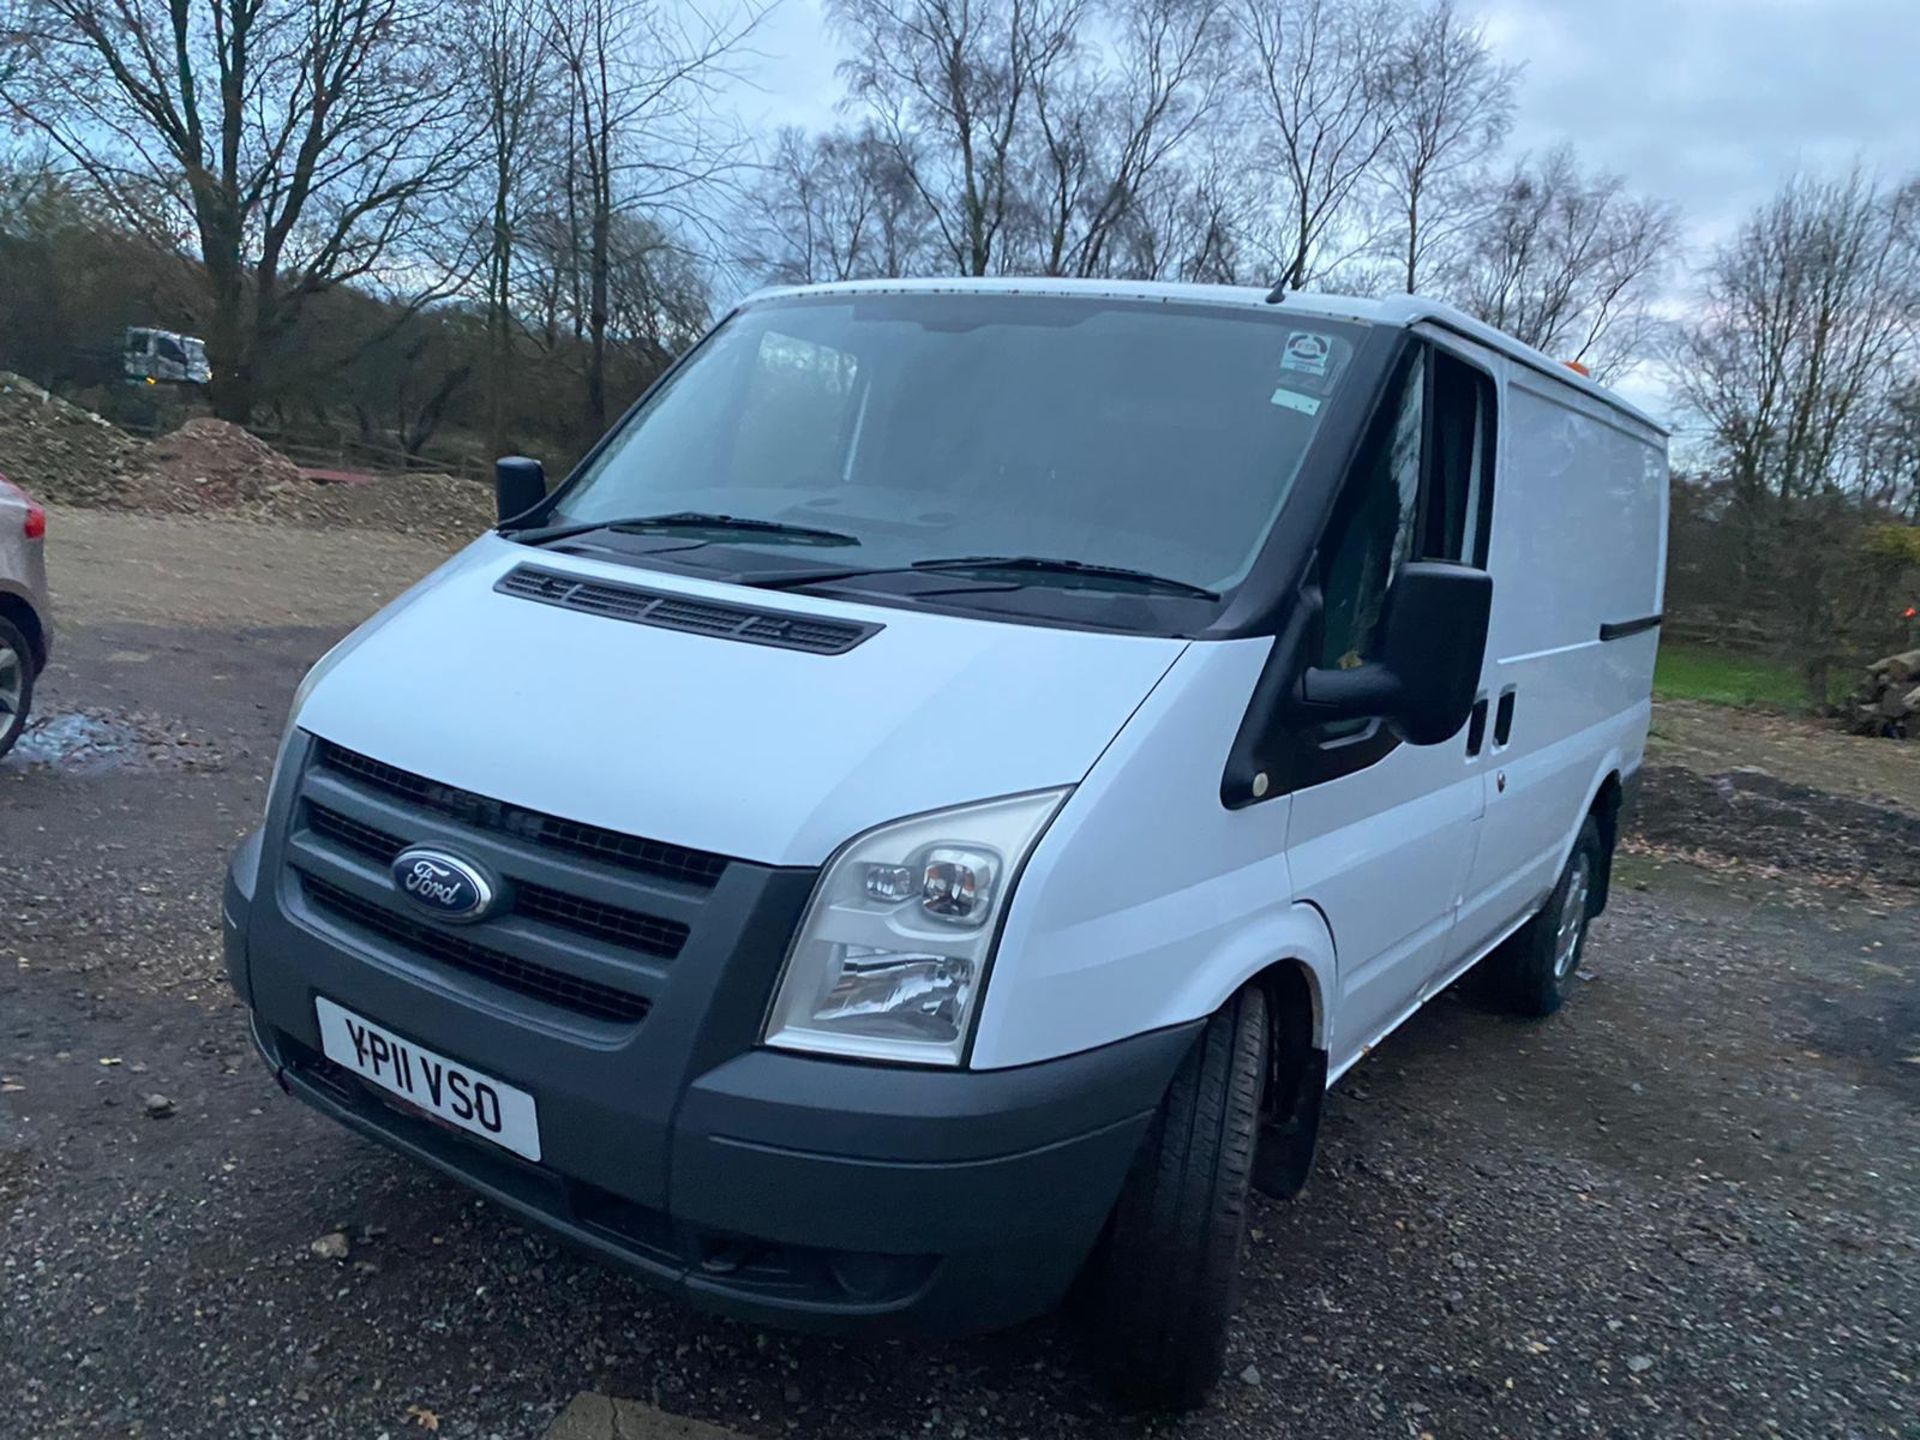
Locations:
{"points": [[1395, 310]]}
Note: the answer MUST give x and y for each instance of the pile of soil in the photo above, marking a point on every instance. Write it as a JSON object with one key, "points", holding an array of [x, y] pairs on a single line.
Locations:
{"points": [[66, 455], [60, 452], [441, 507], [210, 464]]}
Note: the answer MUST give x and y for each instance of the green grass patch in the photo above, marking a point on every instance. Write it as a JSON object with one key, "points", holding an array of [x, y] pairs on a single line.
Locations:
{"points": [[1724, 677]]}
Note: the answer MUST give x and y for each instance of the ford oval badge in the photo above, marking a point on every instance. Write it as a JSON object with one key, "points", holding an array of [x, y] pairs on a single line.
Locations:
{"points": [[443, 885]]}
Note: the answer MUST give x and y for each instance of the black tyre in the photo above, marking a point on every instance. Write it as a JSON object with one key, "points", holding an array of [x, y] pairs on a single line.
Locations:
{"points": [[16, 683], [1167, 1279], [1532, 974]]}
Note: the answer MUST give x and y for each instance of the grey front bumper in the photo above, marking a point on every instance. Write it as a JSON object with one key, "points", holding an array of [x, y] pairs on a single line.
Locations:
{"points": [[786, 1189]]}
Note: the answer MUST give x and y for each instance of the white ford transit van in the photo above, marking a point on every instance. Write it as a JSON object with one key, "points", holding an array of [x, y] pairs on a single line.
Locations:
{"points": [[929, 805]]}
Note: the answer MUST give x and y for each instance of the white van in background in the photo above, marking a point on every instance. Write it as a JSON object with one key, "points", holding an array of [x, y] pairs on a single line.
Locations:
{"points": [[927, 808]]}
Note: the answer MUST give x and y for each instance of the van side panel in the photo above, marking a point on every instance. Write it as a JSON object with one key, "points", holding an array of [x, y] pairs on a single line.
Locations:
{"points": [[1148, 902], [1578, 542]]}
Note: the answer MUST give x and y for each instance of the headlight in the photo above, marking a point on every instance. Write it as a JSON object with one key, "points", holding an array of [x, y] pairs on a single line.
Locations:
{"points": [[890, 958]]}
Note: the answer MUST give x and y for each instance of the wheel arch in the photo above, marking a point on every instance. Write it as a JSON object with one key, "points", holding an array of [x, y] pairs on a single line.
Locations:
{"points": [[1291, 957], [16, 608], [1604, 808]]}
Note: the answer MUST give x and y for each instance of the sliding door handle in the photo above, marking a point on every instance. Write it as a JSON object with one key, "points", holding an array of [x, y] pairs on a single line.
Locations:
{"points": [[1503, 720]]}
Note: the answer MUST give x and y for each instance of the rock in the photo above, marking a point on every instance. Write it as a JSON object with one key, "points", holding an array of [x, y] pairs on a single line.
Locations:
{"points": [[1454, 1301], [601, 1417], [1250, 1375], [331, 1246], [158, 1107], [1639, 1364]]}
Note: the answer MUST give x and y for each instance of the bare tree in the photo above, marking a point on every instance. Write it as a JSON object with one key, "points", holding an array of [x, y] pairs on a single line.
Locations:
{"points": [[643, 136], [1568, 262], [1321, 73], [1111, 135], [1810, 318], [836, 206], [513, 75], [950, 86], [1800, 362], [1889, 451], [1454, 105], [296, 141], [658, 293], [1206, 221]]}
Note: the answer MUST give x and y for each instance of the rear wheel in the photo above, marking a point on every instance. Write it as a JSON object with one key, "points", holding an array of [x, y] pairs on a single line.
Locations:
{"points": [[1168, 1276], [16, 683], [1532, 974]]}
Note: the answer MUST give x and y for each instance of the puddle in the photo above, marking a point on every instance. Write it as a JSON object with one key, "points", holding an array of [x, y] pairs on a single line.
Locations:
{"points": [[92, 741]]}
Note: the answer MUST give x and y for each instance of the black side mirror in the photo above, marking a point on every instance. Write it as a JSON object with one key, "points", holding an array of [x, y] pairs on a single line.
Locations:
{"points": [[519, 484], [1429, 671]]}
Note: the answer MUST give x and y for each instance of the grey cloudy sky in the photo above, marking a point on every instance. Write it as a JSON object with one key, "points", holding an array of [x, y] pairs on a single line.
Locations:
{"points": [[1708, 103], [1712, 103]]}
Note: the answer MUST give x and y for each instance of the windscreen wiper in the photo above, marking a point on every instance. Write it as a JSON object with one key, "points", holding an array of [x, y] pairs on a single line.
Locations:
{"points": [[1051, 565], [1034, 564], [687, 520]]}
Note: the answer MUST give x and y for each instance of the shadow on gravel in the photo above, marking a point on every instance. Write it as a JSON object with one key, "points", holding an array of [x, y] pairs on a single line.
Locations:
{"points": [[1752, 816]]}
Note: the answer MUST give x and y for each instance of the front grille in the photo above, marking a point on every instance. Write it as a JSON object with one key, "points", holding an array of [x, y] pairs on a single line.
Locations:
{"points": [[811, 633], [610, 847], [609, 922], [630, 929], [586, 997], [352, 834]]}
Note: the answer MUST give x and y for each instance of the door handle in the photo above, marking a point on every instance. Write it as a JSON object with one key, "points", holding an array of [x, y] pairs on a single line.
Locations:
{"points": [[1503, 720], [1477, 726]]}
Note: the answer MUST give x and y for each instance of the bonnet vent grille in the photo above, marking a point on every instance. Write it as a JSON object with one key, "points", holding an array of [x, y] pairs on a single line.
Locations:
{"points": [[687, 614]]}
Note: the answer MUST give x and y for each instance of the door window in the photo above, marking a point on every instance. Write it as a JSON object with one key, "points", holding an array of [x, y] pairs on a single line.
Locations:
{"points": [[1458, 491], [1374, 534], [1423, 491]]}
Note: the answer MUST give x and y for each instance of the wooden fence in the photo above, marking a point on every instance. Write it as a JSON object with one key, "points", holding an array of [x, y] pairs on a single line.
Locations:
{"points": [[347, 452]]}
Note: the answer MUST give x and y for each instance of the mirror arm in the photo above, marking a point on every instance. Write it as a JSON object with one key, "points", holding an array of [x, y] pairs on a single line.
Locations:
{"points": [[1368, 691]]}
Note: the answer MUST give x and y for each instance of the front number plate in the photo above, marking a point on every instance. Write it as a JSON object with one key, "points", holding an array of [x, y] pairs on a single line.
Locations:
{"points": [[444, 1088]]}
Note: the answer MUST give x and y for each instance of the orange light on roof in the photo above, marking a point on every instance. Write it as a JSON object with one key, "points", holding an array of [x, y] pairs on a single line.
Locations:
{"points": [[1577, 368]]}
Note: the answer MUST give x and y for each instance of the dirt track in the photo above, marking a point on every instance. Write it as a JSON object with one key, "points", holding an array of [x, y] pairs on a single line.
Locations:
{"points": [[1689, 1205]]}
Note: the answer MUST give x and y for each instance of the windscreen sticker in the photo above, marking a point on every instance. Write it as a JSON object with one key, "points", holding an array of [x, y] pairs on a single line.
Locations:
{"points": [[1306, 352], [1293, 400]]}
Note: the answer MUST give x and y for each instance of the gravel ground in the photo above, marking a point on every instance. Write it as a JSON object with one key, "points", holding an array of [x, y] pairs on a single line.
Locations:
{"points": [[230, 576], [1688, 1205]]}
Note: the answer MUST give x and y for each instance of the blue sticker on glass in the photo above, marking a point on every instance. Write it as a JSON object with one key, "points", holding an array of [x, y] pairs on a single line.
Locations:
{"points": [[1306, 351]]}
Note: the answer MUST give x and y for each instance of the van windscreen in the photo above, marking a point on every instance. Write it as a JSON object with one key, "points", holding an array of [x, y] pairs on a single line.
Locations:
{"points": [[1151, 436]]}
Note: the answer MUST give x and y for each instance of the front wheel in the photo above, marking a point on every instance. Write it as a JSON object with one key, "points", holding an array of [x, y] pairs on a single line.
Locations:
{"points": [[1168, 1276], [16, 683]]}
